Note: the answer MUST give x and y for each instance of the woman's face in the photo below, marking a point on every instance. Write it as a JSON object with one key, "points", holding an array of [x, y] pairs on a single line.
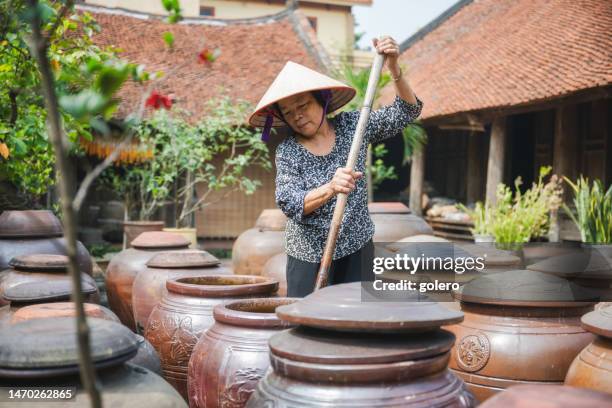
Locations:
{"points": [[302, 112]]}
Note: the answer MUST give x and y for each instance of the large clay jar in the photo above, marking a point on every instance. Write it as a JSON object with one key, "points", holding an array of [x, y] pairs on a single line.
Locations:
{"points": [[349, 353], [133, 229], [593, 366], [255, 246], [146, 356], [40, 277], [549, 396], [231, 356], [124, 267], [520, 327], [393, 221], [44, 353], [186, 311], [35, 232], [150, 283], [276, 268]]}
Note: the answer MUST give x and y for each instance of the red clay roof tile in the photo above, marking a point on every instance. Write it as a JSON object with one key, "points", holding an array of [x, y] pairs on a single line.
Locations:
{"points": [[500, 53]]}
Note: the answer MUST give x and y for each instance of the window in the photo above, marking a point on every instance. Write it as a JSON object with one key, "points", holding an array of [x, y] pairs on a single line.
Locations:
{"points": [[207, 11], [313, 23]]}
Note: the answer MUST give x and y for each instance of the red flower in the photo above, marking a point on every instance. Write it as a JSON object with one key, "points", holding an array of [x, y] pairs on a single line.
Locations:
{"points": [[157, 100], [207, 57]]}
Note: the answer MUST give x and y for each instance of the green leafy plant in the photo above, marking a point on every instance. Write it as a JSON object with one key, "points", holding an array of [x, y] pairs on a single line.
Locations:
{"points": [[378, 169], [593, 206], [521, 216], [415, 137], [481, 216], [516, 217]]}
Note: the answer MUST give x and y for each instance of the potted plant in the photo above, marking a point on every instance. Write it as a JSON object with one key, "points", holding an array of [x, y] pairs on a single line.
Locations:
{"points": [[213, 157], [593, 205]]}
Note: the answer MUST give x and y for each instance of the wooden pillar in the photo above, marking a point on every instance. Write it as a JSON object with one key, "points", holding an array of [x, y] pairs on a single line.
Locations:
{"points": [[497, 153], [417, 176], [565, 148], [475, 174]]}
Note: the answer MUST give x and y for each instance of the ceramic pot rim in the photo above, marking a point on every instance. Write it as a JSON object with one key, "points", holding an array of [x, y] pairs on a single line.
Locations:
{"points": [[243, 285], [236, 313]]}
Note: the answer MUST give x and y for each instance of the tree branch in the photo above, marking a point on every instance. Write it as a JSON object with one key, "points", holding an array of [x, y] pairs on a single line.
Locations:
{"points": [[56, 134]]}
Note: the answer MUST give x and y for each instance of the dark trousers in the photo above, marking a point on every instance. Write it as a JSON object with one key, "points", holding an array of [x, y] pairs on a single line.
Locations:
{"points": [[302, 275]]}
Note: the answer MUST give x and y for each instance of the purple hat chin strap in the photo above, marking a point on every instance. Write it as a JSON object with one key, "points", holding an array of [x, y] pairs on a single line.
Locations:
{"points": [[265, 135], [327, 95]]}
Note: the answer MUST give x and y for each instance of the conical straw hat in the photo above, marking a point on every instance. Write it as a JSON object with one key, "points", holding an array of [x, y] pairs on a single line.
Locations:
{"points": [[294, 79]]}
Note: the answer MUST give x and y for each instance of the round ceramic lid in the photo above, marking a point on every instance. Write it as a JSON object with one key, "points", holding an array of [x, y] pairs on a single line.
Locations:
{"points": [[334, 357], [388, 208], [48, 347], [341, 307], [183, 259], [40, 262], [327, 347], [271, 220], [581, 263], [30, 223], [599, 321], [160, 239], [45, 291], [524, 288]]}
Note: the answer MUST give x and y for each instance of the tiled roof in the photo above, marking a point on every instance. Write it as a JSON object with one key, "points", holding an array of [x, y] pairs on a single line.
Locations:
{"points": [[492, 54], [253, 51]]}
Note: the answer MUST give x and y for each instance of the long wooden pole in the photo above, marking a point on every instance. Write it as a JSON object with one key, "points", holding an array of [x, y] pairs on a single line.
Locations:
{"points": [[334, 228]]}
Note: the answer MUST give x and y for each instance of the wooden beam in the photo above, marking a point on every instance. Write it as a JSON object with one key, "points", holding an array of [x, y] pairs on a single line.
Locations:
{"points": [[497, 152], [417, 176], [488, 115], [475, 179], [565, 150]]}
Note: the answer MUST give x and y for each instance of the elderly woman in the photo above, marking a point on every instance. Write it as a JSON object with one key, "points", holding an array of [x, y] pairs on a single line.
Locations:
{"points": [[310, 166]]}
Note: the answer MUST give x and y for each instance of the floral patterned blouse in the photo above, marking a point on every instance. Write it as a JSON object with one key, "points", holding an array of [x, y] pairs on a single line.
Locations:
{"points": [[298, 171]]}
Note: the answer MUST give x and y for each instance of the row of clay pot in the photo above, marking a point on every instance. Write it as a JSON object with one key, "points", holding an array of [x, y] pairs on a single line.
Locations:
{"points": [[185, 312], [136, 277], [37, 286]]}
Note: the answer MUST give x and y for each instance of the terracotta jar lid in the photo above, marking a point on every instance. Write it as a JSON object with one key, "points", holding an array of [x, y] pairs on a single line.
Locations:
{"points": [[48, 347], [222, 286], [340, 307], [183, 259], [524, 288], [321, 355], [29, 223], [61, 309], [549, 396], [45, 291], [40, 262], [259, 312], [160, 239], [395, 207], [581, 263], [271, 219], [599, 321]]}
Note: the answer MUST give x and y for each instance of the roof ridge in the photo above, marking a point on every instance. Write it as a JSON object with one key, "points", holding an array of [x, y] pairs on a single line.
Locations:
{"points": [[308, 36], [433, 24], [199, 20]]}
